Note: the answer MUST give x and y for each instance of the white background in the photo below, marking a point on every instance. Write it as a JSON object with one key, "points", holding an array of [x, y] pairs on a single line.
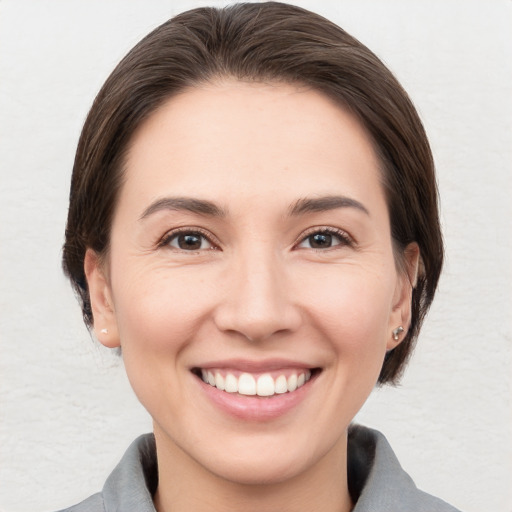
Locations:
{"points": [[66, 411]]}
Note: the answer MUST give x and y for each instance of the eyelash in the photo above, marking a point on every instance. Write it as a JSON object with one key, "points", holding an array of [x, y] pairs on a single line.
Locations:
{"points": [[171, 235], [344, 239]]}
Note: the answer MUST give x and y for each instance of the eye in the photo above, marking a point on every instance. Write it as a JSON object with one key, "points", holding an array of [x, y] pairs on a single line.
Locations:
{"points": [[187, 241], [325, 239]]}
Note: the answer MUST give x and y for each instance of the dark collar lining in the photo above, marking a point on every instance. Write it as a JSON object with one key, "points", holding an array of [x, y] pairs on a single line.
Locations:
{"points": [[148, 460], [360, 457]]}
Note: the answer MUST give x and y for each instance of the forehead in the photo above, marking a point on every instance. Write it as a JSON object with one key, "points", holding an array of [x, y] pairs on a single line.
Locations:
{"points": [[262, 138]]}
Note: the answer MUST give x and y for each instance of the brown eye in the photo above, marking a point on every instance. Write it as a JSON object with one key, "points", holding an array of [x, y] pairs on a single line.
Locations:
{"points": [[320, 240], [189, 241], [324, 239]]}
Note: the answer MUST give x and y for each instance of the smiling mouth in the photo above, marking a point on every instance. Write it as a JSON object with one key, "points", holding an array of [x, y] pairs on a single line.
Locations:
{"points": [[262, 385]]}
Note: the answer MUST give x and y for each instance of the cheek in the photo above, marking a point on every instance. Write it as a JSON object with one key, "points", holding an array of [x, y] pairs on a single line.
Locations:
{"points": [[160, 309], [352, 311], [162, 321], [158, 317], [351, 300]]}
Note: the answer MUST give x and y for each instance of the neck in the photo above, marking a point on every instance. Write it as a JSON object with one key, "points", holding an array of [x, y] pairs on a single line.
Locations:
{"points": [[186, 485]]}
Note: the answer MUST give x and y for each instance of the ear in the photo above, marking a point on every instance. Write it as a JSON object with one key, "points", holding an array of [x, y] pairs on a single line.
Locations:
{"points": [[104, 317], [402, 299]]}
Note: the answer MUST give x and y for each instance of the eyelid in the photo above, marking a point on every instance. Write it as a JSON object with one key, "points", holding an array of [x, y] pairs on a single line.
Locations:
{"points": [[347, 240], [166, 238]]}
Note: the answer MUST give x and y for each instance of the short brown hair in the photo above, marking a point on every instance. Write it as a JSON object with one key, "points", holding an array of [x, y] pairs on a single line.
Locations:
{"points": [[258, 42]]}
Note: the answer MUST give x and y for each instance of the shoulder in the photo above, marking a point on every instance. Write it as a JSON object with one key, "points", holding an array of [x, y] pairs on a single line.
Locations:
{"points": [[130, 485], [384, 485], [92, 504]]}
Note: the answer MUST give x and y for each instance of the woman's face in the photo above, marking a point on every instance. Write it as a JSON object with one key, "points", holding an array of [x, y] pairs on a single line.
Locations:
{"points": [[251, 247]]}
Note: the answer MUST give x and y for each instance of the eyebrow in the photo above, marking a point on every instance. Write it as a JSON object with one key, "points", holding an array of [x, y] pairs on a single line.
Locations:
{"points": [[325, 203], [198, 206], [210, 209]]}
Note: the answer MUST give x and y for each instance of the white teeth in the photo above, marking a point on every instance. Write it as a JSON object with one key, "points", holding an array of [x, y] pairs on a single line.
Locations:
{"points": [[281, 385], [231, 383], [265, 385], [292, 382], [247, 384], [219, 382]]}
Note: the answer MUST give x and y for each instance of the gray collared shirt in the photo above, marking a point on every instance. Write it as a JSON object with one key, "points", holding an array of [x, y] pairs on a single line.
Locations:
{"points": [[377, 482]]}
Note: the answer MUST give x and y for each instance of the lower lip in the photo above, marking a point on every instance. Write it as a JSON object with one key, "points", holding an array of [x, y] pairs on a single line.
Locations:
{"points": [[254, 408]]}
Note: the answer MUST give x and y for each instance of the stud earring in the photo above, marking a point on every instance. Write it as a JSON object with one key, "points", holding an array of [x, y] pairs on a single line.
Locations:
{"points": [[104, 331], [396, 332]]}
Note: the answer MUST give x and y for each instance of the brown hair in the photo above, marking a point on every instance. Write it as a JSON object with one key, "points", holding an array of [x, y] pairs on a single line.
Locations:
{"points": [[258, 42]]}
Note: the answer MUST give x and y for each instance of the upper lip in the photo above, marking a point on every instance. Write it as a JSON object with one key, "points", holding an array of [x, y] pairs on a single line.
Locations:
{"points": [[252, 366]]}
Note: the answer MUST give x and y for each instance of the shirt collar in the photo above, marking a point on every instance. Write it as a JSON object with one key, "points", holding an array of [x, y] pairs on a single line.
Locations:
{"points": [[376, 479]]}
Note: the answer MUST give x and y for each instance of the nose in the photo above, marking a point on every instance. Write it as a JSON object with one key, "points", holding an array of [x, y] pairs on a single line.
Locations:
{"points": [[258, 302]]}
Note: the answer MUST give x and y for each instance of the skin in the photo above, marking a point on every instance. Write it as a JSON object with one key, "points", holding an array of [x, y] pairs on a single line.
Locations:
{"points": [[256, 288]]}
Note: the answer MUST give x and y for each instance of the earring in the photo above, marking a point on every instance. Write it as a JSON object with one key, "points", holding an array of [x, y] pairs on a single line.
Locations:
{"points": [[104, 331], [396, 332]]}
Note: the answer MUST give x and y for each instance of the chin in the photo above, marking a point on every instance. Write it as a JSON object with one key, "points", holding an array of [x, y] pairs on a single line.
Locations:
{"points": [[269, 459], [272, 471]]}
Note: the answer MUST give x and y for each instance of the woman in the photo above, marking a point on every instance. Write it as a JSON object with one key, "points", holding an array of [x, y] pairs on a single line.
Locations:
{"points": [[253, 220]]}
